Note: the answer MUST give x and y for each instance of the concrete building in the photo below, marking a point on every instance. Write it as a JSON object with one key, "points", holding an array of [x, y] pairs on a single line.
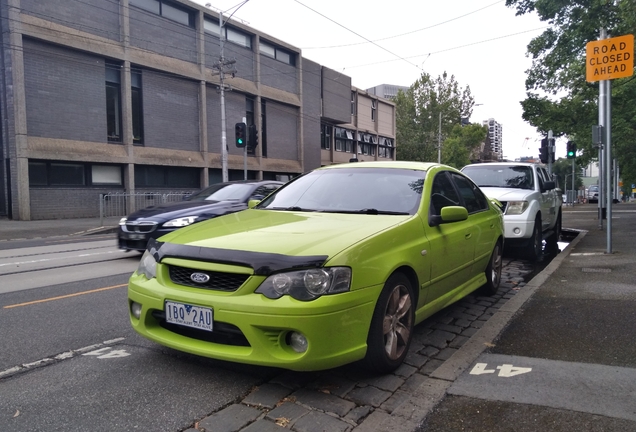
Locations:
{"points": [[125, 95], [495, 133]]}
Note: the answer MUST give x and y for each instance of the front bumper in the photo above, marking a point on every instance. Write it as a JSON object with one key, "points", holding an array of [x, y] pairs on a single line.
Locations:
{"points": [[517, 227], [250, 328], [138, 240]]}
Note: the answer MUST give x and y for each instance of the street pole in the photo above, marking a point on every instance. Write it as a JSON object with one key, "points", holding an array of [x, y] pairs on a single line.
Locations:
{"points": [[601, 122], [222, 79], [573, 191], [439, 140], [550, 152], [608, 161]]}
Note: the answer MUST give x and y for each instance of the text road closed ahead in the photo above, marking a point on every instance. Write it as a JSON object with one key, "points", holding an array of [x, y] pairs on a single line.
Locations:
{"points": [[608, 59]]}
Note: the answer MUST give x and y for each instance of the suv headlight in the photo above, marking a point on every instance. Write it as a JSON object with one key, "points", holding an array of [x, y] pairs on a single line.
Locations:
{"points": [[517, 207], [181, 222], [307, 284], [147, 265]]}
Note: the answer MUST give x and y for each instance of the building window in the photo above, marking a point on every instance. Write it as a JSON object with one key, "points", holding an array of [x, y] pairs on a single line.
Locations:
{"points": [[353, 103], [167, 10], [385, 149], [326, 131], [137, 111], [231, 34], [373, 109], [113, 102], [67, 174], [277, 53], [148, 176], [344, 140], [263, 138]]}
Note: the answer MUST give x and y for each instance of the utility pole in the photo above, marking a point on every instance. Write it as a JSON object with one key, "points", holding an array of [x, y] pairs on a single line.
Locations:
{"points": [[550, 152]]}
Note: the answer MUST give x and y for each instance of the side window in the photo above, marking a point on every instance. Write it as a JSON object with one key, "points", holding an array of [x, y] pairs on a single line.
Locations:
{"points": [[474, 199], [543, 177], [443, 194]]}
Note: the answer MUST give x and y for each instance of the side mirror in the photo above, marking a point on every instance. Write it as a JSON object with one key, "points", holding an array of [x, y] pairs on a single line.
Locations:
{"points": [[549, 185], [449, 214], [252, 203]]}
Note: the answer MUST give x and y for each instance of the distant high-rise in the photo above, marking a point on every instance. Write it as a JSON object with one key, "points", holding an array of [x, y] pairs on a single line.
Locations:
{"points": [[386, 91], [495, 134]]}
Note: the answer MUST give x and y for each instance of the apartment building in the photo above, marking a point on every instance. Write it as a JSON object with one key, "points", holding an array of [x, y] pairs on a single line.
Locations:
{"points": [[100, 96], [495, 133]]}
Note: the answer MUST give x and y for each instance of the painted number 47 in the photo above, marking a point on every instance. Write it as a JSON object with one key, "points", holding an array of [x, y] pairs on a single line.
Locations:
{"points": [[505, 370]]}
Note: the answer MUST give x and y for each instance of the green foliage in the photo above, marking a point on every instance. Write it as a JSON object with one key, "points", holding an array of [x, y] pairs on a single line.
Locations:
{"points": [[558, 96], [418, 113], [562, 168], [462, 142]]}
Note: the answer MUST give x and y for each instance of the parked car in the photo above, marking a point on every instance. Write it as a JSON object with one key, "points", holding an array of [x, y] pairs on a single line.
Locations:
{"points": [[531, 201], [221, 198], [592, 194], [336, 266]]}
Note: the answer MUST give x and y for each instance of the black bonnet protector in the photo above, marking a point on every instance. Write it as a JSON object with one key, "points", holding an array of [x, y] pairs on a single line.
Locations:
{"points": [[263, 264]]}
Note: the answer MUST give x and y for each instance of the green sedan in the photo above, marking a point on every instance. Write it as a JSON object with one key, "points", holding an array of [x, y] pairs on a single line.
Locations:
{"points": [[336, 266]]}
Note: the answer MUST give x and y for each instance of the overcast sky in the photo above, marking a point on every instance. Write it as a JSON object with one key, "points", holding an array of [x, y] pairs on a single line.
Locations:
{"points": [[481, 42]]}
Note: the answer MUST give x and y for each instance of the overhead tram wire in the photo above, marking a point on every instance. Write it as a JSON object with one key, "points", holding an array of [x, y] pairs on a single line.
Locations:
{"points": [[410, 32], [359, 35]]}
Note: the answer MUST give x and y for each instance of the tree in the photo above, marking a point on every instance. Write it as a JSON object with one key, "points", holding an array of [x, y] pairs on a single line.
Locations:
{"points": [[463, 141], [418, 113], [558, 96]]}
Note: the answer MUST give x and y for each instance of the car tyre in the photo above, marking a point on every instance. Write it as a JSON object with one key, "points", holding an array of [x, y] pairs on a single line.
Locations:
{"points": [[553, 240], [535, 246], [391, 327], [493, 271]]}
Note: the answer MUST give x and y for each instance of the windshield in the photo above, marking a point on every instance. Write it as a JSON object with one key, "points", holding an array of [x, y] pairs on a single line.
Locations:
{"points": [[223, 192], [519, 177], [351, 190]]}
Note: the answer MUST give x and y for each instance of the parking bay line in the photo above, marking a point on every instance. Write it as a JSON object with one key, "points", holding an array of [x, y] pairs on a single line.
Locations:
{"points": [[591, 388], [64, 296]]}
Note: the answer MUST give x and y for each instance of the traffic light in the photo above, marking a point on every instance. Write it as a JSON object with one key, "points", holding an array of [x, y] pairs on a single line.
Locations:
{"points": [[240, 132], [571, 150], [252, 142], [543, 151]]}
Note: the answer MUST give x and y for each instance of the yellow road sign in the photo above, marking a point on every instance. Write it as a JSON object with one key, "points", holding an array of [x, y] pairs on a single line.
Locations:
{"points": [[609, 58]]}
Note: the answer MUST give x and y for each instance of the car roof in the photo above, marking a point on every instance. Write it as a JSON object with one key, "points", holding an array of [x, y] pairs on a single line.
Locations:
{"points": [[505, 164], [423, 166]]}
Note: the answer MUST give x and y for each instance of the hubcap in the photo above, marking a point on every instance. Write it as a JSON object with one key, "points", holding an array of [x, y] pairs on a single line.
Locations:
{"points": [[397, 322], [497, 263]]}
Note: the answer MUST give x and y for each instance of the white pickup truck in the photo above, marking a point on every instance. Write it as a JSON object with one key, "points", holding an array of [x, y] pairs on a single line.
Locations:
{"points": [[531, 203]]}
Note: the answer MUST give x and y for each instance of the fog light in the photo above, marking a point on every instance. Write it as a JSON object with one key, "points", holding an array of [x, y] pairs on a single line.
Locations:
{"points": [[135, 309], [516, 231], [298, 342]]}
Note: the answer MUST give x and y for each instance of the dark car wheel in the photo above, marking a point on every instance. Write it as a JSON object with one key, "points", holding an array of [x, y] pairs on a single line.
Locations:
{"points": [[391, 326], [553, 240], [493, 272], [535, 246]]}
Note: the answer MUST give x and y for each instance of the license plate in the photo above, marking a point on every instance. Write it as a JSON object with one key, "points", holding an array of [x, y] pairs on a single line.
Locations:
{"points": [[190, 316], [136, 236]]}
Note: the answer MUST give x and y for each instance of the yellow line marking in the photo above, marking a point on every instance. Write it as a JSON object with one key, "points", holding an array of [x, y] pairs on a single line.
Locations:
{"points": [[64, 296]]}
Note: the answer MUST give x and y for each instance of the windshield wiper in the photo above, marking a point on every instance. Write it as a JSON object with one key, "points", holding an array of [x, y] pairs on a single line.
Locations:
{"points": [[371, 211], [291, 208]]}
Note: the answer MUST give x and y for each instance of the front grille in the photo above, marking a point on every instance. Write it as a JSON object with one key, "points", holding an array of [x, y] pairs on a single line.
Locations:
{"points": [[222, 333], [218, 281], [141, 227]]}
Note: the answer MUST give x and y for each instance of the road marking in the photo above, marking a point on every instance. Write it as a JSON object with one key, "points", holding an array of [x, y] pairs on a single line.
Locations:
{"points": [[505, 370], [67, 355], [106, 352], [64, 296]]}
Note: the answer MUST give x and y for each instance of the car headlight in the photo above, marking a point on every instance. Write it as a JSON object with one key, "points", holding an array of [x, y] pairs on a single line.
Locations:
{"points": [[307, 284], [181, 222], [517, 207], [147, 265], [122, 221]]}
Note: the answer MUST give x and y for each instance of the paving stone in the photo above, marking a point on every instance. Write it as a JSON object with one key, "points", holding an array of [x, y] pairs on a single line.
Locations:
{"points": [[429, 351], [463, 323], [405, 370], [370, 424], [415, 360], [459, 340], [439, 339], [230, 419], [333, 384], [294, 380], [445, 354], [485, 303], [431, 366], [358, 413], [288, 411], [267, 395], [368, 395], [395, 401], [444, 319], [323, 402], [468, 332], [387, 382], [449, 328], [413, 383], [316, 421], [264, 426], [477, 324]]}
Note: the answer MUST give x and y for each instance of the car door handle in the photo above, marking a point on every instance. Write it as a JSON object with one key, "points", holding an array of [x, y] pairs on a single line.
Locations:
{"points": [[467, 236]]}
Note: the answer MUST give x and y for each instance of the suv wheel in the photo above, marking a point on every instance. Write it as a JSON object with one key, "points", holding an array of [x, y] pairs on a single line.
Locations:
{"points": [[535, 247]]}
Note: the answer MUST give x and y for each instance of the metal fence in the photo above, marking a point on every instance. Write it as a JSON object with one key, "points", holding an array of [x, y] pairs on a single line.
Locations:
{"points": [[123, 203]]}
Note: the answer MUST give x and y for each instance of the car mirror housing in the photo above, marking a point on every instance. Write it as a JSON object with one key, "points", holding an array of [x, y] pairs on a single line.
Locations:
{"points": [[549, 185], [449, 214]]}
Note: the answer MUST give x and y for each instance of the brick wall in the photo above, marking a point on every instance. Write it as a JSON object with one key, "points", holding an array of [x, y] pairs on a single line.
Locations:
{"points": [[65, 93]]}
